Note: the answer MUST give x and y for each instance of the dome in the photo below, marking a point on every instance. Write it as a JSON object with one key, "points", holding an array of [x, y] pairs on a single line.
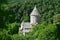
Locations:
{"points": [[35, 11]]}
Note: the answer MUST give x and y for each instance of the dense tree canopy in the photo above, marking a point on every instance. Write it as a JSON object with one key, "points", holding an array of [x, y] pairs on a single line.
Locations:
{"points": [[13, 12]]}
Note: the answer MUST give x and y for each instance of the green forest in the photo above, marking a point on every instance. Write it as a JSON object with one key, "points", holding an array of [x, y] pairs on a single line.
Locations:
{"points": [[13, 12]]}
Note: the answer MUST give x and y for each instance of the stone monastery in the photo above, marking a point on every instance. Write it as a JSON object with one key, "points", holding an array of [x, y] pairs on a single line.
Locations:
{"points": [[34, 19]]}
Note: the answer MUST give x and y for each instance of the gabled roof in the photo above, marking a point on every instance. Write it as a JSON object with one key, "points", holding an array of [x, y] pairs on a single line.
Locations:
{"points": [[25, 25], [35, 11]]}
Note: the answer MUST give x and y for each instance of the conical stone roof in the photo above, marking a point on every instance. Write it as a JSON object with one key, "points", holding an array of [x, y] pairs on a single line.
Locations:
{"points": [[35, 11]]}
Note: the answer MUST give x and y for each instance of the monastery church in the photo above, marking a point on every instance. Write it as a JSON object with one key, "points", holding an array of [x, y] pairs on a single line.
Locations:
{"points": [[34, 19]]}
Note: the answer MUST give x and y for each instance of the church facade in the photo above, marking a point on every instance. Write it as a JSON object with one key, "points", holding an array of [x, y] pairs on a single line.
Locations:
{"points": [[34, 19]]}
